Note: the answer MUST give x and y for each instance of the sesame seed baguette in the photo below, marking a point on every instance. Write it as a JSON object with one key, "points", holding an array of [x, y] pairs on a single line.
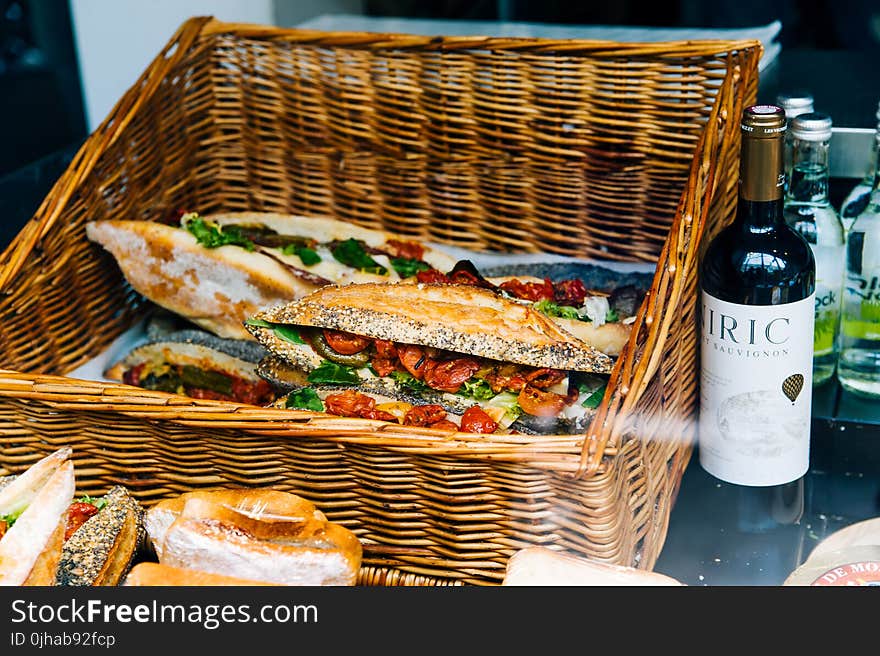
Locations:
{"points": [[458, 318], [102, 550]]}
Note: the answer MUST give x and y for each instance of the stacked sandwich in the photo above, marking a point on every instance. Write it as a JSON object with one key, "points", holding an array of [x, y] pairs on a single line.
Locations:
{"points": [[321, 315]]}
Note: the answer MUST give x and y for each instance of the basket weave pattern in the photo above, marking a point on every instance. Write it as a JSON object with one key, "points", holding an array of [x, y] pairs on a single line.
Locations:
{"points": [[593, 149]]}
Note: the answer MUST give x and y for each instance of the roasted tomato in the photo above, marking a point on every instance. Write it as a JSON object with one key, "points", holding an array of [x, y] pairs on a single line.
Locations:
{"points": [[349, 404], [424, 415], [406, 249], [465, 278], [506, 377], [530, 291], [448, 375], [475, 420], [256, 393], [413, 358], [544, 377], [385, 348], [540, 403], [380, 414], [383, 366], [133, 375], [345, 343], [570, 292], [77, 515], [432, 276]]}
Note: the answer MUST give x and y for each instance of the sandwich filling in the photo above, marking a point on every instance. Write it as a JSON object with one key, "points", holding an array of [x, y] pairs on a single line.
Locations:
{"points": [[481, 394], [198, 382], [321, 261]]}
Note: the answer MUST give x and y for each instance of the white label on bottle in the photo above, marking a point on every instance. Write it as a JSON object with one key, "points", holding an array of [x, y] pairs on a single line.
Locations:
{"points": [[756, 387]]}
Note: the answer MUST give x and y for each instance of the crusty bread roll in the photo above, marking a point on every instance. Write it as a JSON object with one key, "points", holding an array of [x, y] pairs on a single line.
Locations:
{"points": [[254, 534], [158, 574], [541, 566]]}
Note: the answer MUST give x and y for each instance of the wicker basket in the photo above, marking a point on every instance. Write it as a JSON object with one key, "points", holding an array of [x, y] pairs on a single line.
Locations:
{"points": [[595, 149]]}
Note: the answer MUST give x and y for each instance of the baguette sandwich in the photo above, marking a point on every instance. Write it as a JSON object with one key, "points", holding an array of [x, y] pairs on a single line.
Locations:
{"points": [[50, 538], [217, 270], [601, 319], [33, 518], [446, 356], [197, 364], [255, 535]]}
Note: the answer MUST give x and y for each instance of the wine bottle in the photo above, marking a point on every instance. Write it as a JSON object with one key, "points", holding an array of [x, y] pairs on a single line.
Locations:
{"points": [[757, 284]]}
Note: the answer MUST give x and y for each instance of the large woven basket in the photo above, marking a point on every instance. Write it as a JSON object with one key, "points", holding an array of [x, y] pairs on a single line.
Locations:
{"points": [[593, 149]]}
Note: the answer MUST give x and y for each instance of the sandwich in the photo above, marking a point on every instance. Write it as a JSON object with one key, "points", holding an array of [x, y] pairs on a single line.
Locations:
{"points": [[102, 540], [257, 534], [445, 356], [218, 270], [47, 537], [603, 319], [33, 519], [197, 364]]}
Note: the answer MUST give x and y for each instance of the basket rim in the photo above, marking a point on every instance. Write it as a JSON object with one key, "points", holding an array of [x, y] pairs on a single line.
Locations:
{"points": [[400, 40], [558, 452]]}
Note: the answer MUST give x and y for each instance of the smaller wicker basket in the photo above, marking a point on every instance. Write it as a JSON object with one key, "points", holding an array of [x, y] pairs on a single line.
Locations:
{"points": [[593, 149]]}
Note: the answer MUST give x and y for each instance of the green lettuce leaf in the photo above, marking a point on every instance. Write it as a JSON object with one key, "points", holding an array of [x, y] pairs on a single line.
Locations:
{"points": [[304, 399], [406, 268], [330, 373], [211, 235], [352, 253]]}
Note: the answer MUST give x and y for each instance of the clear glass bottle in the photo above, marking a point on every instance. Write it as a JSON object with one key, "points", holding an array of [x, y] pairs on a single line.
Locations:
{"points": [[794, 103], [757, 301], [808, 210], [857, 199], [858, 365]]}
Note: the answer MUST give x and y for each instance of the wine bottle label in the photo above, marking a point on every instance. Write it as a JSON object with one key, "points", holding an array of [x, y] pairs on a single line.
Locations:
{"points": [[756, 390]]}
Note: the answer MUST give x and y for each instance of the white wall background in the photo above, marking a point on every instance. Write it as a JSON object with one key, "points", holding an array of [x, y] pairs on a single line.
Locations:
{"points": [[117, 39]]}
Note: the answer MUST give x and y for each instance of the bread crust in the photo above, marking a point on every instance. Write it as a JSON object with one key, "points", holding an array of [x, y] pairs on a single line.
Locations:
{"points": [[158, 574], [459, 318], [218, 288], [254, 534]]}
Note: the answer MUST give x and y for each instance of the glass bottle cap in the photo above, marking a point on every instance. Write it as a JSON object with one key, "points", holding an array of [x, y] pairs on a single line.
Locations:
{"points": [[795, 102], [814, 126]]}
